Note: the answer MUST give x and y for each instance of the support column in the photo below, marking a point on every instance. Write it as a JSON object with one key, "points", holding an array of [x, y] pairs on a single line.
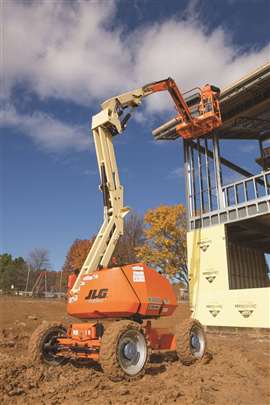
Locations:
{"points": [[218, 174]]}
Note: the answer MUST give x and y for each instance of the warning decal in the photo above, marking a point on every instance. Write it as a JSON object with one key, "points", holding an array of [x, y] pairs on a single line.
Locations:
{"points": [[214, 309], [246, 310], [138, 277]]}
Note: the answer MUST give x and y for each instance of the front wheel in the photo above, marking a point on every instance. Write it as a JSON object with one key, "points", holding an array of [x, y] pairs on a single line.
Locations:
{"points": [[190, 341], [42, 345], [123, 351]]}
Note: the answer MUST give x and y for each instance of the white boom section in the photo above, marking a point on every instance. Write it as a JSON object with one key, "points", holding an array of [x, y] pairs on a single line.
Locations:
{"points": [[114, 211]]}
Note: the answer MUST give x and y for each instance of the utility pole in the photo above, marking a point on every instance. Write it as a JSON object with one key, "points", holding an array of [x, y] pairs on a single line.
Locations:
{"points": [[27, 279], [60, 282], [45, 281]]}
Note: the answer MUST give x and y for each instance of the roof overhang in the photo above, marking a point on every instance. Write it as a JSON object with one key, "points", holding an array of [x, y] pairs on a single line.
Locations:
{"points": [[245, 107]]}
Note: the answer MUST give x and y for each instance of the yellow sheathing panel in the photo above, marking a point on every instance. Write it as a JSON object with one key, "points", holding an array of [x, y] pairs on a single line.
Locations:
{"points": [[212, 302]]}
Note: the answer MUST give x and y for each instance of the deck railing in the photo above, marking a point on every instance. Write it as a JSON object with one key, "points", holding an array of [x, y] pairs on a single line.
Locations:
{"points": [[242, 199], [252, 188]]}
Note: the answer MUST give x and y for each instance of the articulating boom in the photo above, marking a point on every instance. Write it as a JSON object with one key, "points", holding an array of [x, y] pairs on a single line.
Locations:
{"points": [[196, 117]]}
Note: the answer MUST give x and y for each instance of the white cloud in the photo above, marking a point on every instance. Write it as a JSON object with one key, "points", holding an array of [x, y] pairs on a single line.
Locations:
{"points": [[69, 50], [177, 173], [90, 172], [63, 49], [47, 132], [192, 56], [74, 51]]}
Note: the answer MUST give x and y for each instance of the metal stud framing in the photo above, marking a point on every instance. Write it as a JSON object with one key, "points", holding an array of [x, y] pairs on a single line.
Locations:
{"points": [[210, 202]]}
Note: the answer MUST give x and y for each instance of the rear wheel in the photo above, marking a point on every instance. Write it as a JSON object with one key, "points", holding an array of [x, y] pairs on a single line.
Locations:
{"points": [[42, 345], [190, 341], [123, 351]]}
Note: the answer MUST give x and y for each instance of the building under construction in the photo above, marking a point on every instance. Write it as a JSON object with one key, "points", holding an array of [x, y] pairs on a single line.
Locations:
{"points": [[228, 202]]}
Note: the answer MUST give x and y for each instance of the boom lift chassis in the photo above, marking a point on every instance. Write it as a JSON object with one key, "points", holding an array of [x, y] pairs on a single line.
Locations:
{"points": [[132, 294]]}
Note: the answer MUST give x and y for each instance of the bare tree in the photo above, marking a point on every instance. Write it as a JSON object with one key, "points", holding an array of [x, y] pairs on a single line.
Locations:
{"points": [[39, 259], [133, 237]]}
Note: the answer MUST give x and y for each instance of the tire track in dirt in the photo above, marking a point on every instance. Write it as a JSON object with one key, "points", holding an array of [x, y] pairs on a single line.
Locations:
{"points": [[236, 373]]}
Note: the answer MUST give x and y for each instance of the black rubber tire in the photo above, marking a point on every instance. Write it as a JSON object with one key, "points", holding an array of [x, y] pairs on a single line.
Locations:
{"points": [[183, 344], [108, 350], [36, 341]]}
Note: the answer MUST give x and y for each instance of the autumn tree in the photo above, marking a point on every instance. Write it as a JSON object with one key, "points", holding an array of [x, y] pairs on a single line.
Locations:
{"points": [[133, 237], [125, 251], [165, 241], [77, 254]]}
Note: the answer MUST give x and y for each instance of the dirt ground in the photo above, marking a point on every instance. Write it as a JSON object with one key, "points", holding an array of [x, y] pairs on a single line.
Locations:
{"points": [[235, 372]]}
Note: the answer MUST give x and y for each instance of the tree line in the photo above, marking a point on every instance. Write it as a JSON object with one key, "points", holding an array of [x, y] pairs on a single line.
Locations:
{"points": [[158, 239], [18, 274]]}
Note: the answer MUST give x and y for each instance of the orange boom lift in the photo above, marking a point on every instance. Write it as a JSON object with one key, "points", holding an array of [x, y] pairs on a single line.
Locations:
{"points": [[129, 296]]}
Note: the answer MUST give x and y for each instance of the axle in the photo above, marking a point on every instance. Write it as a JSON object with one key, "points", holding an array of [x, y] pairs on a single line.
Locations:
{"points": [[83, 345]]}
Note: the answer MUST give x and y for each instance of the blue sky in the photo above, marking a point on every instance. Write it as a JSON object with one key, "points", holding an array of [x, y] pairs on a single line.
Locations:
{"points": [[61, 60]]}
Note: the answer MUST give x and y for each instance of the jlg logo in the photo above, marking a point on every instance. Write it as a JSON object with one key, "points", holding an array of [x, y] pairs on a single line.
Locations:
{"points": [[95, 294]]}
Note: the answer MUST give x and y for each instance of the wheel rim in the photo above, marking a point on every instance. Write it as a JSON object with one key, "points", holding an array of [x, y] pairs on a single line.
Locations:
{"points": [[132, 351], [49, 345], [197, 341]]}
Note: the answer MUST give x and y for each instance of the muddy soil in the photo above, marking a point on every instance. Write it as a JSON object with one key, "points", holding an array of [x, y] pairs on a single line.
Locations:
{"points": [[236, 370]]}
